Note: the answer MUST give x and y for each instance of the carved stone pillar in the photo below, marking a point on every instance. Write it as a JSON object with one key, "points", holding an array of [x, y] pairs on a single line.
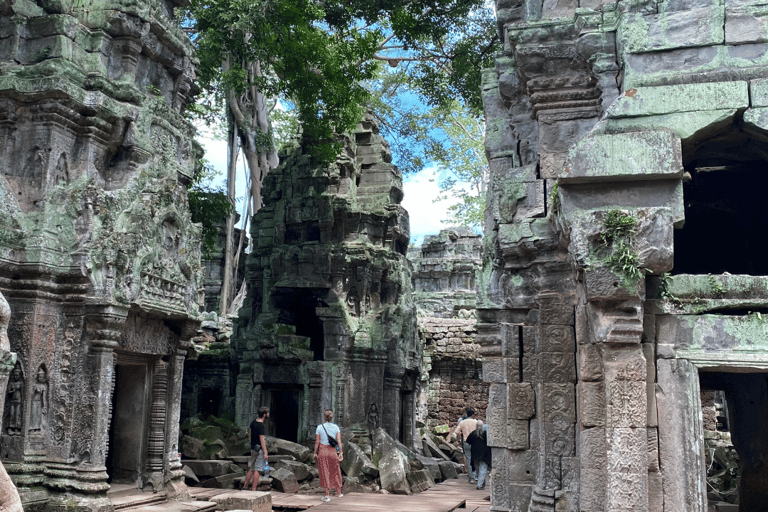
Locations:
{"points": [[340, 406], [157, 419], [614, 315], [243, 399], [93, 412], [172, 448], [316, 371]]}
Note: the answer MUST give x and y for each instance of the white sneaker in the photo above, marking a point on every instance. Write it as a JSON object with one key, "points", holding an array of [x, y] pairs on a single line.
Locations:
{"points": [[326, 498]]}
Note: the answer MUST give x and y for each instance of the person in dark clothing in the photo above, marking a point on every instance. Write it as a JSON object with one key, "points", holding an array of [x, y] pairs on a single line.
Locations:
{"points": [[259, 456], [481, 454]]}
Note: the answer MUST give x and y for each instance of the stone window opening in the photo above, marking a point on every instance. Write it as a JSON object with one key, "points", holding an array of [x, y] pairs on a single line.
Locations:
{"points": [[298, 307], [726, 211], [735, 427]]}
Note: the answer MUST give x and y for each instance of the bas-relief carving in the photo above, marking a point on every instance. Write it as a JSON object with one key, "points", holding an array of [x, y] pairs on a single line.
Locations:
{"points": [[627, 469], [62, 395], [373, 416], [521, 403], [557, 367], [147, 335], [556, 338], [14, 402], [39, 408], [626, 404]]}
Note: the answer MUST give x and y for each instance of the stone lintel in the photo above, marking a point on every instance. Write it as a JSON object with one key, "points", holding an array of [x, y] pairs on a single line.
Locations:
{"points": [[673, 99], [684, 124], [634, 156]]}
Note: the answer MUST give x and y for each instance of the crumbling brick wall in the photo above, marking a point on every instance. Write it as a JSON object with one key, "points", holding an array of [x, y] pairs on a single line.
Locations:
{"points": [[454, 370]]}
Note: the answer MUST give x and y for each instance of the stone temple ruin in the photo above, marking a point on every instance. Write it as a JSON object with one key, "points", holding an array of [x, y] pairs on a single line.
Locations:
{"points": [[99, 260], [326, 322], [444, 273], [627, 142]]}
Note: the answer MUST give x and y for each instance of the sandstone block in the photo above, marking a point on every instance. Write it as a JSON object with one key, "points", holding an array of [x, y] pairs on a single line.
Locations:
{"points": [[668, 99], [447, 469], [352, 484], [208, 468], [559, 367], [590, 362], [523, 466], [557, 403], [284, 480], [253, 501], [283, 447], [356, 463], [556, 338], [591, 396], [420, 480], [622, 157], [299, 469], [521, 401], [393, 465], [592, 468], [692, 27], [627, 404]]}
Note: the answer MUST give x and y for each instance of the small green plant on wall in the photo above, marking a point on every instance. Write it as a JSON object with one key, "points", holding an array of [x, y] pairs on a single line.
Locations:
{"points": [[619, 229]]}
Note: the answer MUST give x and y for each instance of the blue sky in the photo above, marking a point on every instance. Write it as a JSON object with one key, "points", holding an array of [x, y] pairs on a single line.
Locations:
{"points": [[420, 193]]}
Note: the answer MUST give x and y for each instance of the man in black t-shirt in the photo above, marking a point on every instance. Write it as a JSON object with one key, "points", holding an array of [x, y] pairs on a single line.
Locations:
{"points": [[259, 456]]}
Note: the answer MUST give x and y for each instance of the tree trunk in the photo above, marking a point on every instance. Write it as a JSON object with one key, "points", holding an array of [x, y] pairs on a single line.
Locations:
{"points": [[226, 282], [9, 496]]}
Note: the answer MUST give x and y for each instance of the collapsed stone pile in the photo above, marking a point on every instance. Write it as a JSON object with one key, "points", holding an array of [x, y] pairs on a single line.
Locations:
{"points": [[215, 454]]}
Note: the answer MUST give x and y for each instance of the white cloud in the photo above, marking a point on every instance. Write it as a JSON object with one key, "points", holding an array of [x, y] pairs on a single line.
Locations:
{"points": [[426, 215]]}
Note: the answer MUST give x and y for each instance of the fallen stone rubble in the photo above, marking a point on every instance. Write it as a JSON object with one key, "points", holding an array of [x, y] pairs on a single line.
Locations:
{"points": [[215, 455]]}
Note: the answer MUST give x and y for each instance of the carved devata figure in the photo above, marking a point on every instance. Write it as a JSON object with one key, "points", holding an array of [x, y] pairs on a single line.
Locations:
{"points": [[14, 398], [39, 407], [373, 416]]}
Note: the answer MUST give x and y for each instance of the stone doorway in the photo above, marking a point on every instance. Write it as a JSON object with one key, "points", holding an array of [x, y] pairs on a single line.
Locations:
{"points": [[406, 416], [746, 396], [128, 428], [285, 410]]}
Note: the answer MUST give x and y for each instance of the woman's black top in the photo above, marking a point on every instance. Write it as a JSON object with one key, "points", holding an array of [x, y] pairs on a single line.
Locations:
{"points": [[479, 450]]}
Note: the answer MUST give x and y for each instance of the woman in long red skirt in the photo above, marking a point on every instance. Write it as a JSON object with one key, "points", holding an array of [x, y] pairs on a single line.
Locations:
{"points": [[327, 456]]}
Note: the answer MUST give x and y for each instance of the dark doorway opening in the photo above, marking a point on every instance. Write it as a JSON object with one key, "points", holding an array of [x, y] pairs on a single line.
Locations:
{"points": [[406, 412], [284, 413], [209, 401], [125, 458], [744, 418], [298, 307], [726, 203]]}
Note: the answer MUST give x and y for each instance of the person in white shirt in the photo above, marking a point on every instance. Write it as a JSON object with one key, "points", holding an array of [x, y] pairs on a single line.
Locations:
{"points": [[463, 429], [328, 456]]}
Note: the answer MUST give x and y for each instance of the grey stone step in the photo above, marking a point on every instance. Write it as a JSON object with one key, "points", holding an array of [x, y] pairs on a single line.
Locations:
{"points": [[177, 506], [136, 499]]}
